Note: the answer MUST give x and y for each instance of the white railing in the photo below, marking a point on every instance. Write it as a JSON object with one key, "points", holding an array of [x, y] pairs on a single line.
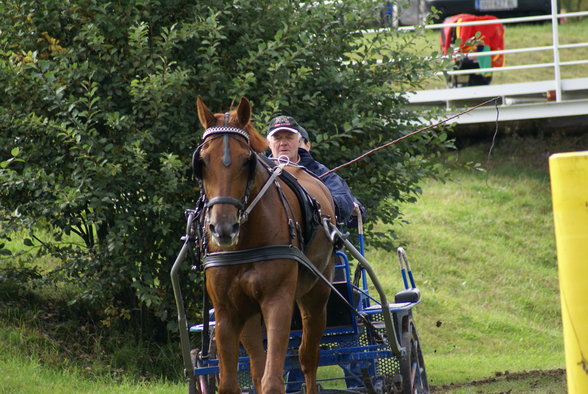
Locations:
{"points": [[555, 47]]}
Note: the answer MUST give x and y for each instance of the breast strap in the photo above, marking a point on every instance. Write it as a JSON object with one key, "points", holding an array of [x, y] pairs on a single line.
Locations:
{"points": [[275, 252], [270, 252]]}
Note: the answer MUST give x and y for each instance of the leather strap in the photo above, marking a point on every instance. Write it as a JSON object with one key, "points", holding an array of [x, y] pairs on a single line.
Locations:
{"points": [[272, 252], [225, 200]]}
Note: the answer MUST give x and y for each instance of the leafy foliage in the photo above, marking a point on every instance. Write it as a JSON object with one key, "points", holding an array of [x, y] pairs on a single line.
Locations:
{"points": [[97, 120]]}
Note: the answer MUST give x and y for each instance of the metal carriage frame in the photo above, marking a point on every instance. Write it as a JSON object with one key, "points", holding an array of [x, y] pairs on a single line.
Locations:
{"points": [[372, 348]]}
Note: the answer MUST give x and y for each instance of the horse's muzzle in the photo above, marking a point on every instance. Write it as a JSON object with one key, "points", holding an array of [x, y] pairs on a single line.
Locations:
{"points": [[224, 233]]}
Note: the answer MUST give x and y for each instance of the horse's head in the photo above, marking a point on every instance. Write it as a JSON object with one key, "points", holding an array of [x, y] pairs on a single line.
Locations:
{"points": [[225, 163]]}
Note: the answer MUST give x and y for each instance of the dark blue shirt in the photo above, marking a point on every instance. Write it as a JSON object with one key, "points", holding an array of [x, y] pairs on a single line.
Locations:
{"points": [[338, 187]]}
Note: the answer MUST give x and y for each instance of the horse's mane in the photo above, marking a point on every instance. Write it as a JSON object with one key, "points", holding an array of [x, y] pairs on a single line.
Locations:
{"points": [[258, 143]]}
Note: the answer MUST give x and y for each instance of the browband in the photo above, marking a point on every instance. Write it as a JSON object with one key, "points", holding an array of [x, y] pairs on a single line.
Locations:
{"points": [[225, 130]]}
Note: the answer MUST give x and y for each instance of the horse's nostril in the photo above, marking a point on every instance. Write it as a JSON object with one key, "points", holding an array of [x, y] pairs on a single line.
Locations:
{"points": [[224, 230]]}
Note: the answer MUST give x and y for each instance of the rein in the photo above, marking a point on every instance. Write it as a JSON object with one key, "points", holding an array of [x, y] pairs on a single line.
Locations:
{"points": [[272, 179]]}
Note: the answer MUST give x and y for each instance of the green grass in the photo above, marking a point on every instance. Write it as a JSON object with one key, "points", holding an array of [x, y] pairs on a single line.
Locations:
{"points": [[482, 249], [32, 361], [539, 382], [20, 375], [526, 36]]}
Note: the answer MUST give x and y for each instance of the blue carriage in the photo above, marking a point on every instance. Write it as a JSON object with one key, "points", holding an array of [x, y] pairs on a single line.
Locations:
{"points": [[370, 345]]}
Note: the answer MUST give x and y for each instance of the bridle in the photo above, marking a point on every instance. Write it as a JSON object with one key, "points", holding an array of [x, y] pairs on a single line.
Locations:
{"points": [[226, 132]]}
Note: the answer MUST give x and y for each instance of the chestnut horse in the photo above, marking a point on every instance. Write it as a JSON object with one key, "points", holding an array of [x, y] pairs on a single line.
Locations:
{"points": [[254, 284]]}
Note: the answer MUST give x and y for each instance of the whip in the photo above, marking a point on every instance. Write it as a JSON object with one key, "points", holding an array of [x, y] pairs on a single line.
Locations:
{"points": [[406, 136]]}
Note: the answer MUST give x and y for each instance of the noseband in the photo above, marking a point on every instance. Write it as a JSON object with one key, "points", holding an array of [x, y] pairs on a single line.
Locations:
{"points": [[225, 132]]}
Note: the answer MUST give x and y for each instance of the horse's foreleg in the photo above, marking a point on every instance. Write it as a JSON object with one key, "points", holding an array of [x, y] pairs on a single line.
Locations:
{"points": [[313, 309], [227, 340], [278, 317], [252, 340]]}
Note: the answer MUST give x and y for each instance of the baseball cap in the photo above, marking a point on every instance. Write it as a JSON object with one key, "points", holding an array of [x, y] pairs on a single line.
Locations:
{"points": [[287, 123], [304, 133]]}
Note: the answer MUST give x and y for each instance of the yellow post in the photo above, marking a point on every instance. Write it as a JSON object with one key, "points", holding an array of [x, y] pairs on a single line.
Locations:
{"points": [[569, 193]]}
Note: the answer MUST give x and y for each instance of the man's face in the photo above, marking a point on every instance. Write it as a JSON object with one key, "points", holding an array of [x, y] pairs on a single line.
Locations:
{"points": [[285, 143]]}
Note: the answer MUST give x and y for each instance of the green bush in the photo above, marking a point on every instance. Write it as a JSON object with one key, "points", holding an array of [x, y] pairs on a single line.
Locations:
{"points": [[98, 124]]}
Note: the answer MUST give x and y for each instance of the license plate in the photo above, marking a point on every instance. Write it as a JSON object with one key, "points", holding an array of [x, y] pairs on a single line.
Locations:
{"points": [[496, 5]]}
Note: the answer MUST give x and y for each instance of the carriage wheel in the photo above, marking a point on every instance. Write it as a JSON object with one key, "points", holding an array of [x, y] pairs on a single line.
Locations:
{"points": [[412, 366], [207, 384], [193, 387], [204, 384]]}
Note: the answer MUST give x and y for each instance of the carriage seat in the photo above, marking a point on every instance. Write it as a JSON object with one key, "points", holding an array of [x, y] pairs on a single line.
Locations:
{"points": [[339, 315], [408, 295]]}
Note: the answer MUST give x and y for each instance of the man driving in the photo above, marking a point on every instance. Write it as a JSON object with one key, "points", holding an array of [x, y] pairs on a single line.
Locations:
{"points": [[287, 138]]}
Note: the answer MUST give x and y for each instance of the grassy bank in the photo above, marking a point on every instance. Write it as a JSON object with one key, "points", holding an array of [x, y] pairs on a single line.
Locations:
{"points": [[483, 248], [483, 251]]}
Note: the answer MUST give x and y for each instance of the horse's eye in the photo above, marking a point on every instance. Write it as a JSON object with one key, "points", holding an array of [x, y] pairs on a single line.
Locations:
{"points": [[197, 164], [198, 168], [251, 163], [246, 163]]}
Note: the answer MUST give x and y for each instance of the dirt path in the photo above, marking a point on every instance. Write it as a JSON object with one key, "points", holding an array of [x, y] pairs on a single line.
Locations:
{"points": [[506, 376]]}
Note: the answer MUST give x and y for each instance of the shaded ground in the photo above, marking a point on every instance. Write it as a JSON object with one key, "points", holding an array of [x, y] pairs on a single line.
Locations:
{"points": [[549, 381]]}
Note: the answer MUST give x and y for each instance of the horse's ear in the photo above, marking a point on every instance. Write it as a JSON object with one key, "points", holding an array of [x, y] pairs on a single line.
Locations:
{"points": [[244, 111], [205, 115]]}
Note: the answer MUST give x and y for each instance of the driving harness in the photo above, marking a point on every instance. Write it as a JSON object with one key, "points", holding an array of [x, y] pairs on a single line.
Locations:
{"points": [[310, 208], [311, 215]]}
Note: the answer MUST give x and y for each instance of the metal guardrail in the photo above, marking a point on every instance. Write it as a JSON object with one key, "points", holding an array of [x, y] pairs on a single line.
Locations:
{"points": [[555, 47]]}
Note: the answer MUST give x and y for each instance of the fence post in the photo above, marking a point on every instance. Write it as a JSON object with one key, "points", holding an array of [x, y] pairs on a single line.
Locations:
{"points": [[555, 43], [569, 191]]}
